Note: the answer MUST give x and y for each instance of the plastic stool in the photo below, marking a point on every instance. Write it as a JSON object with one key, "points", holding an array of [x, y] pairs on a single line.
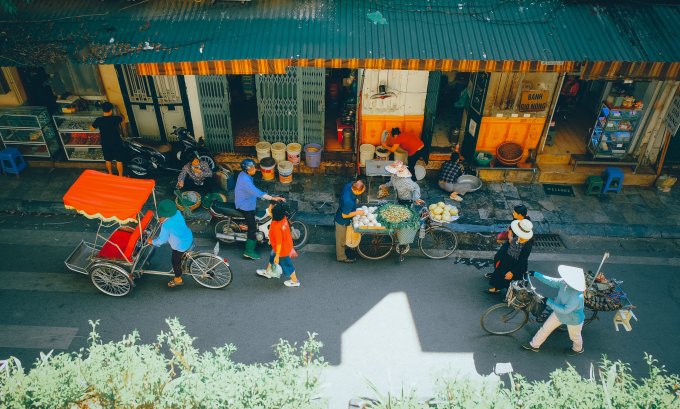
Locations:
{"points": [[550, 139], [613, 180], [12, 161], [623, 317], [594, 185]]}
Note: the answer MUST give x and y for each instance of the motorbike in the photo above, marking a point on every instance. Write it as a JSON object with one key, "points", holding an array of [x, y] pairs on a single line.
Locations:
{"points": [[230, 225], [151, 156]]}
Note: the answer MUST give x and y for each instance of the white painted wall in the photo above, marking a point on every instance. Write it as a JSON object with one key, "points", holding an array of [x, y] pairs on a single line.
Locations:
{"points": [[194, 106], [410, 88]]}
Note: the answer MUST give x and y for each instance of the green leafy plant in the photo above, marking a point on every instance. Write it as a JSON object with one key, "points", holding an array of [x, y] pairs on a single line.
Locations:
{"points": [[170, 373], [8, 6], [610, 386]]}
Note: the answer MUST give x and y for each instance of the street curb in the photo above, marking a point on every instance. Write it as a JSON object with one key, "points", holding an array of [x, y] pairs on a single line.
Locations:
{"points": [[640, 231]]}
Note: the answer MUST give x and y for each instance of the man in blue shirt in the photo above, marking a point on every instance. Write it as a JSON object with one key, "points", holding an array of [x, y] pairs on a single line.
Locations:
{"points": [[174, 230], [347, 208], [246, 195]]}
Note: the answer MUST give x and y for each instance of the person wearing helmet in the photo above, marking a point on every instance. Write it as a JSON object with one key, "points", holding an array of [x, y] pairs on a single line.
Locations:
{"points": [[246, 195], [567, 308]]}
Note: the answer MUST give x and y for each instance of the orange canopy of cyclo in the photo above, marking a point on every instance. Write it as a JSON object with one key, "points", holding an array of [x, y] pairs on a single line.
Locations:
{"points": [[108, 197]]}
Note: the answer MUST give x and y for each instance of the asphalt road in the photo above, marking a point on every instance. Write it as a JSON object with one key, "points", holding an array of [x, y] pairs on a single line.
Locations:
{"points": [[44, 305]]}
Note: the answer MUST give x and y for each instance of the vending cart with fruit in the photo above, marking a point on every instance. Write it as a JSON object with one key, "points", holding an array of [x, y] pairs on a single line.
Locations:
{"points": [[389, 226]]}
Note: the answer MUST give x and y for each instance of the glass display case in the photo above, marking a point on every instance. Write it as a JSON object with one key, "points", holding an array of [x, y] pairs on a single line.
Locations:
{"points": [[614, 131], [80, 143], [29, 130]]}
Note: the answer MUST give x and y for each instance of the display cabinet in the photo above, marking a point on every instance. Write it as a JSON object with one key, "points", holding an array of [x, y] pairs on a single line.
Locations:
{"points": [[80, 143], [29, 130], [614, 131]]}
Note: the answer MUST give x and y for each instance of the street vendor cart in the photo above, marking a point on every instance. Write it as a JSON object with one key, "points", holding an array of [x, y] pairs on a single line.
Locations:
{"points": [[435, 241], [115, 260]]}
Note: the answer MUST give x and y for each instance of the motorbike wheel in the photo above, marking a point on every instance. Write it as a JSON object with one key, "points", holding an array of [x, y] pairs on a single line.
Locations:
{"points": [[299, 227], [139, 161], [209, 160], [226, 227]]}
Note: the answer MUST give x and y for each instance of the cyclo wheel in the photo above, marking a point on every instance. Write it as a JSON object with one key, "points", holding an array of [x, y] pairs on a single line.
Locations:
{"points": [[210, 271], [590, 316], [299, 227], [502, 319], [111, 280], [439, 242], [374, 246]]}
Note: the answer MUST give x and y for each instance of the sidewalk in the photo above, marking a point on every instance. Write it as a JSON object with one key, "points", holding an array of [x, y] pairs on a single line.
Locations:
{"points": [[638, 212]]}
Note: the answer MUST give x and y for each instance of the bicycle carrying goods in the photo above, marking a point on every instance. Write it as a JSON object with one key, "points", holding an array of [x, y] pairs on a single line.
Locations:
{"points": [[353, 238]]}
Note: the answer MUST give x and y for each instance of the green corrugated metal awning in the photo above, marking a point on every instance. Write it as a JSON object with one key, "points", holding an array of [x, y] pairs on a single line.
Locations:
{"points": [[169, 32]]}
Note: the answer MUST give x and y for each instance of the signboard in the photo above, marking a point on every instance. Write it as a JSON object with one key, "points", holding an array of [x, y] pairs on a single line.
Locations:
{"points": [[552, 62], [473, 127], [534, 101], [672, 119]]}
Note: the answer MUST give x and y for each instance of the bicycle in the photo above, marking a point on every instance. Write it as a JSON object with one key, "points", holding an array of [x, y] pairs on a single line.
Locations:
{"points": [[521, 302], [435, 241]]}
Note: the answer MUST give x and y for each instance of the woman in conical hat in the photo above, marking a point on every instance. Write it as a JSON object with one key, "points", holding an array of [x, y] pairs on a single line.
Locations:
{"points": [[567, 308]]}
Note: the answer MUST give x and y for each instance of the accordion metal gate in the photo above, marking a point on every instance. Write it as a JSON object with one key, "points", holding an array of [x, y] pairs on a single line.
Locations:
{"points": [[213, 97]]}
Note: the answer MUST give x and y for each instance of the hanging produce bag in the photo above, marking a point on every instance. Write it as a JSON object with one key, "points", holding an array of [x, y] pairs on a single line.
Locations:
{"points": [[353, 238]]}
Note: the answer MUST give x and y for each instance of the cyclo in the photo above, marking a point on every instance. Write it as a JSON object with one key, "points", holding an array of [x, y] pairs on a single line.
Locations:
{"points": [[118, 259]]}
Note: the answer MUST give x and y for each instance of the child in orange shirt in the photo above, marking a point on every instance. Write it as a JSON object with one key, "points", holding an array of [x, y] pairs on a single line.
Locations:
{"points": [[282, 244]]}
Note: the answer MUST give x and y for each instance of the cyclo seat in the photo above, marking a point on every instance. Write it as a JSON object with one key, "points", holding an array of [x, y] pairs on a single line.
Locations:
{"points": [[160, 146], [226, 209]]}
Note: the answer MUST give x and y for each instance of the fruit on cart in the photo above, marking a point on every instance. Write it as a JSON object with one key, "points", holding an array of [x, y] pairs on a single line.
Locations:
{"points": [[367, 219], [437, 216], [396, 214], [438, 210]]}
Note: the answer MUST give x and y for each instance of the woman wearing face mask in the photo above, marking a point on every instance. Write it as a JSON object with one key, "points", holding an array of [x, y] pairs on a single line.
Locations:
{"points": [[512, 259], [197, 171]]}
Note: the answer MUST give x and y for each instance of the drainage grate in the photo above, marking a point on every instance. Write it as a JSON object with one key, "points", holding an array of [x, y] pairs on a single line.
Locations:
{"points": [[550, 241]]}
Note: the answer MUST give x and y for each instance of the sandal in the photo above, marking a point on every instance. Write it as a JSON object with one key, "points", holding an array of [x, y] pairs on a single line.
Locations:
{"points": [[456, 198], [487, 276], [492, 292], [174, 283], [348, 260]]}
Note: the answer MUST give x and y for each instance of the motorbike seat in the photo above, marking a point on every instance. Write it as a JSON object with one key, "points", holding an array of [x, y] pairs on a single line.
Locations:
{"points": [[160, 146], [226, 209]]}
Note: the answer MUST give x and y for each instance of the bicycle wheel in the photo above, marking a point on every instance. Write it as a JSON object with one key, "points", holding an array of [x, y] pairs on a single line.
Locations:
{"points": [[210, 271], [111, 280], [439, 242], [502, 319], [375, 246], [590, 316], [299, 229]]}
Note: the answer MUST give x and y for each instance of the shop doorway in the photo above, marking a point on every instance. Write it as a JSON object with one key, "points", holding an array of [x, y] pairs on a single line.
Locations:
{"points": [[243, 107], [341, 107], [446, 118], [575, 113]]}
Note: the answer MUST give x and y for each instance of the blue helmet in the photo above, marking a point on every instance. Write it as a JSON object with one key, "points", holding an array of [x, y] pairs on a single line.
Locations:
{"points": [[246, 164]]}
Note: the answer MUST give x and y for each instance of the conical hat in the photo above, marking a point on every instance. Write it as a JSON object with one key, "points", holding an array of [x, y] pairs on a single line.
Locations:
{"points": [[394, 168], [573, 276]]}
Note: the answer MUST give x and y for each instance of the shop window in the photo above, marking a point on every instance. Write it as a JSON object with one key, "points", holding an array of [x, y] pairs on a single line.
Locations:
{"points": [[81, 80]]}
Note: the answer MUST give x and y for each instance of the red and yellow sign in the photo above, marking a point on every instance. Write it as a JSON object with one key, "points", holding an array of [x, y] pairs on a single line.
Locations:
{"points": [[534, 101]]}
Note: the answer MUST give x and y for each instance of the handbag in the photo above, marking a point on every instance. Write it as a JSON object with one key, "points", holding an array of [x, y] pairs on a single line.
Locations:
{"points": [[353, 238], [502, 236]]}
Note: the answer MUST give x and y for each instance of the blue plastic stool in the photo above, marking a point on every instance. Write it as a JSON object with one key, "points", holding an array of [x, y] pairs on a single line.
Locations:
{"points": [[12, 161], [613, 180]]}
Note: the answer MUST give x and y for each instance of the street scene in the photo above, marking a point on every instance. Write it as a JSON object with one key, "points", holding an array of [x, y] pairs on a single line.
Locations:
{"points": [[339, 204]]}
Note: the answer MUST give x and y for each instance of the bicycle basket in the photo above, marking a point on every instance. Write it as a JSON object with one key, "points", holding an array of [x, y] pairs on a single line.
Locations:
{"points": [[518, 295]]}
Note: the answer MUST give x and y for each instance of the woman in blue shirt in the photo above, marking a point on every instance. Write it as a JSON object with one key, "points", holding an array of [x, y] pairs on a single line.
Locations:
{"points": [[567, 308], [174, 230], [245, 198]]}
